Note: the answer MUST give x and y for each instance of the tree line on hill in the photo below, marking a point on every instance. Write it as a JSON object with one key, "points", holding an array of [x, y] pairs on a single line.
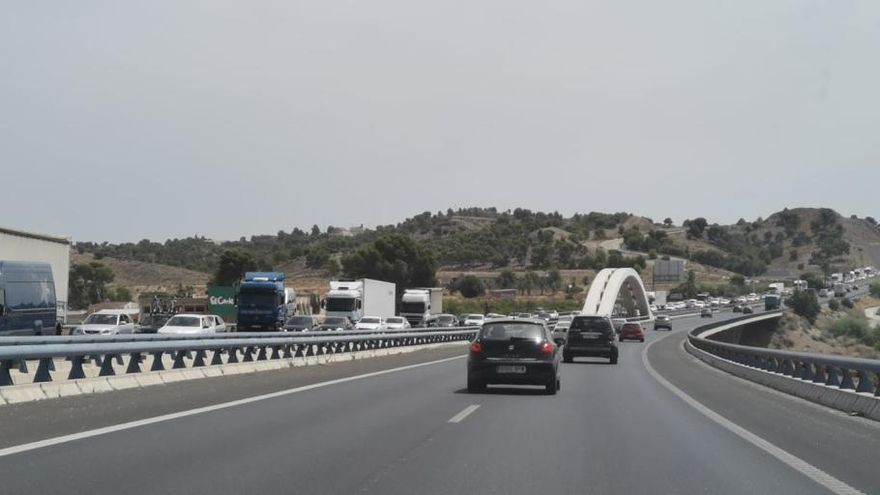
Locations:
{"points": [[469, 237]]}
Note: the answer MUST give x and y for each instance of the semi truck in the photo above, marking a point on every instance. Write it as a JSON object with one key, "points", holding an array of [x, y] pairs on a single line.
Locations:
{"points": [[772, 301], [264, 304], [776, 288], [355, 299], [27, 298], [421, 306]]}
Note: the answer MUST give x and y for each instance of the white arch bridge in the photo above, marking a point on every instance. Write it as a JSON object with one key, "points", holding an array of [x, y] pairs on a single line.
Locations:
{"points": [[618, 292]]}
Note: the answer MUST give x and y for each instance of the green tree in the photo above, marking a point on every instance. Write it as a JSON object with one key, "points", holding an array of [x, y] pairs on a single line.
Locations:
{"points": [[554, 280], [874, 289], [814, 280], [506, 279], [667, 222], [88, 284], [232, 266], [696, 227], [394, 258], [804, 303], [470, 286]]}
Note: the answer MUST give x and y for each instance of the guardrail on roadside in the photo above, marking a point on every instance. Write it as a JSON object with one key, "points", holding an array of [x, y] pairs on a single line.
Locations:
{"points": [[142, 337], [193, 353], [845, 373]]}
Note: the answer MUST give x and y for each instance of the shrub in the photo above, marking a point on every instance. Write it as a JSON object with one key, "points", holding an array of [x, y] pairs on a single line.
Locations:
{"points": [[833, 305], [847, 303], [852, 327], [804, 303], [874, 289], [470, 286]]}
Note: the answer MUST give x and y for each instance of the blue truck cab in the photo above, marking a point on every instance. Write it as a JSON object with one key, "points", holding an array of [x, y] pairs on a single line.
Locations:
{"points": [[27, 298], [263, 303]]}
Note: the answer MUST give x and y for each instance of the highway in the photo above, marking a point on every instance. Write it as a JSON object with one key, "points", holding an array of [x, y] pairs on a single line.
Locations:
{"points": [[611, 429]]}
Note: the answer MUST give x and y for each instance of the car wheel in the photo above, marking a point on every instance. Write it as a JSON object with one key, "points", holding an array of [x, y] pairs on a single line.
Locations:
{"points": [[613, 359], [552, 387], [620, 339], [567, 358], [641, 340]]}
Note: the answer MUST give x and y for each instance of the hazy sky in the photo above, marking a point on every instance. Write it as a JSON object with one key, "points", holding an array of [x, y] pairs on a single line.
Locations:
{"points": [[126, 120]]}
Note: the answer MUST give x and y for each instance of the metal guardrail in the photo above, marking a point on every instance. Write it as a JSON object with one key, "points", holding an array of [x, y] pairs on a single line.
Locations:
{"points": [[855, 374], [143, 337], [193, 353]]}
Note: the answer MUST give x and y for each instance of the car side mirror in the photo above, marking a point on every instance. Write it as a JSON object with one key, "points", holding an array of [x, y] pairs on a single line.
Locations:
{"points": [[559, 341]]}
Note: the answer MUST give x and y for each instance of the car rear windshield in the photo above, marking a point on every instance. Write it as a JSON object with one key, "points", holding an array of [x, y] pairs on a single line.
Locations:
{"points": [[335, 320], [512, 331], [394, 320], [300, 320], [100, 319], [369, 320], [591, 324]]}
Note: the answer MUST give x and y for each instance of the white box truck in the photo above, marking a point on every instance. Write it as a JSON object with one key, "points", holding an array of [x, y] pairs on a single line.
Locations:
{"points": [[355, 299], [421, 306]]}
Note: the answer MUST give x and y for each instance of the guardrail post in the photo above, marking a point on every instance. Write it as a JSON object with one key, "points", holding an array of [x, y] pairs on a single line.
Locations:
{"points": [[42, 374], [199, 360], [846, 383], [299, 351], [233, 355], [179, 363], [832, 380], [309, 351], [107, 366], [865, 384], [276, 352], [288, 352], [820, 376], [76, 368], [157, 361], [5, 377], [261, 354], [134, 363], [217, 358], [807, 371], [787, 368], [22, 366], [248, 354]]}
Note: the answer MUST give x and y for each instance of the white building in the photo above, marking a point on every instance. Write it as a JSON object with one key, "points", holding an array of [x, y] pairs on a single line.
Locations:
{"points": [[16, 245]]}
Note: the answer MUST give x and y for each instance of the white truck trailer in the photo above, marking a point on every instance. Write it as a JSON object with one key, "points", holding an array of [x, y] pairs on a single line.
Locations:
{"points": [[421, 306], [355, 299], [16, 245]]}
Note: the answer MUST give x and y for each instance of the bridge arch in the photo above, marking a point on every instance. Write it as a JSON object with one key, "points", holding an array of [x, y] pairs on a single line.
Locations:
{"points": [[617, 291]]}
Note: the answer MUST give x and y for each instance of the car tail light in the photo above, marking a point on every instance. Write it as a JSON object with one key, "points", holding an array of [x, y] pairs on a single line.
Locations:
{"points": [[476, 348], [547, 348]]}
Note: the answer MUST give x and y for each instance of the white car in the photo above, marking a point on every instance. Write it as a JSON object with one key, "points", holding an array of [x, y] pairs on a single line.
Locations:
{"points": [[192, 324], [370, 323], [560, 331], [397, 323], [474, 320], [106, 322]]}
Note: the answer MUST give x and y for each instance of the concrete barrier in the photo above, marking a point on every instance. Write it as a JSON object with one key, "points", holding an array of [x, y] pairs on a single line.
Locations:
{"points": [[14, 394]]}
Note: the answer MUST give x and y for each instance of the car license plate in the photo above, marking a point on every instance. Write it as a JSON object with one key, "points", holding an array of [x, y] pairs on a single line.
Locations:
{"points": [[511, 369], [589, 336]]}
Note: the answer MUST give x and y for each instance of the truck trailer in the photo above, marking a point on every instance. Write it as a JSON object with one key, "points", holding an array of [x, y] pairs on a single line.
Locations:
{"points": [[355, 299]]}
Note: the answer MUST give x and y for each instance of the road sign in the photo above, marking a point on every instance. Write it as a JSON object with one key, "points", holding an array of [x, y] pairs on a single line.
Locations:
{"points": [[668, 271]]}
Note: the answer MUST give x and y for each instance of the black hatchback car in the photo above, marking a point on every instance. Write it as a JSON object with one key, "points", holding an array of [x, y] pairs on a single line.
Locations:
{"points": [[514, 352], [591, 336]]}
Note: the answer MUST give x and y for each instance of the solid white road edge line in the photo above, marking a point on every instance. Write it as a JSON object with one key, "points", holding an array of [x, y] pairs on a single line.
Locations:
{"points": [[458, 418], [830, 482], [17, 449]]}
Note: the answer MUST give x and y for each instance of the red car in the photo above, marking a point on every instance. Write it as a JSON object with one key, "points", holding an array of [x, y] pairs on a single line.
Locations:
{"points": [[632, 331]]}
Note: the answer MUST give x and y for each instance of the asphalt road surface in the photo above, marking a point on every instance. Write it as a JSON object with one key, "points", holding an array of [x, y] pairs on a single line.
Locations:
{"points": [[611, 429]]}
